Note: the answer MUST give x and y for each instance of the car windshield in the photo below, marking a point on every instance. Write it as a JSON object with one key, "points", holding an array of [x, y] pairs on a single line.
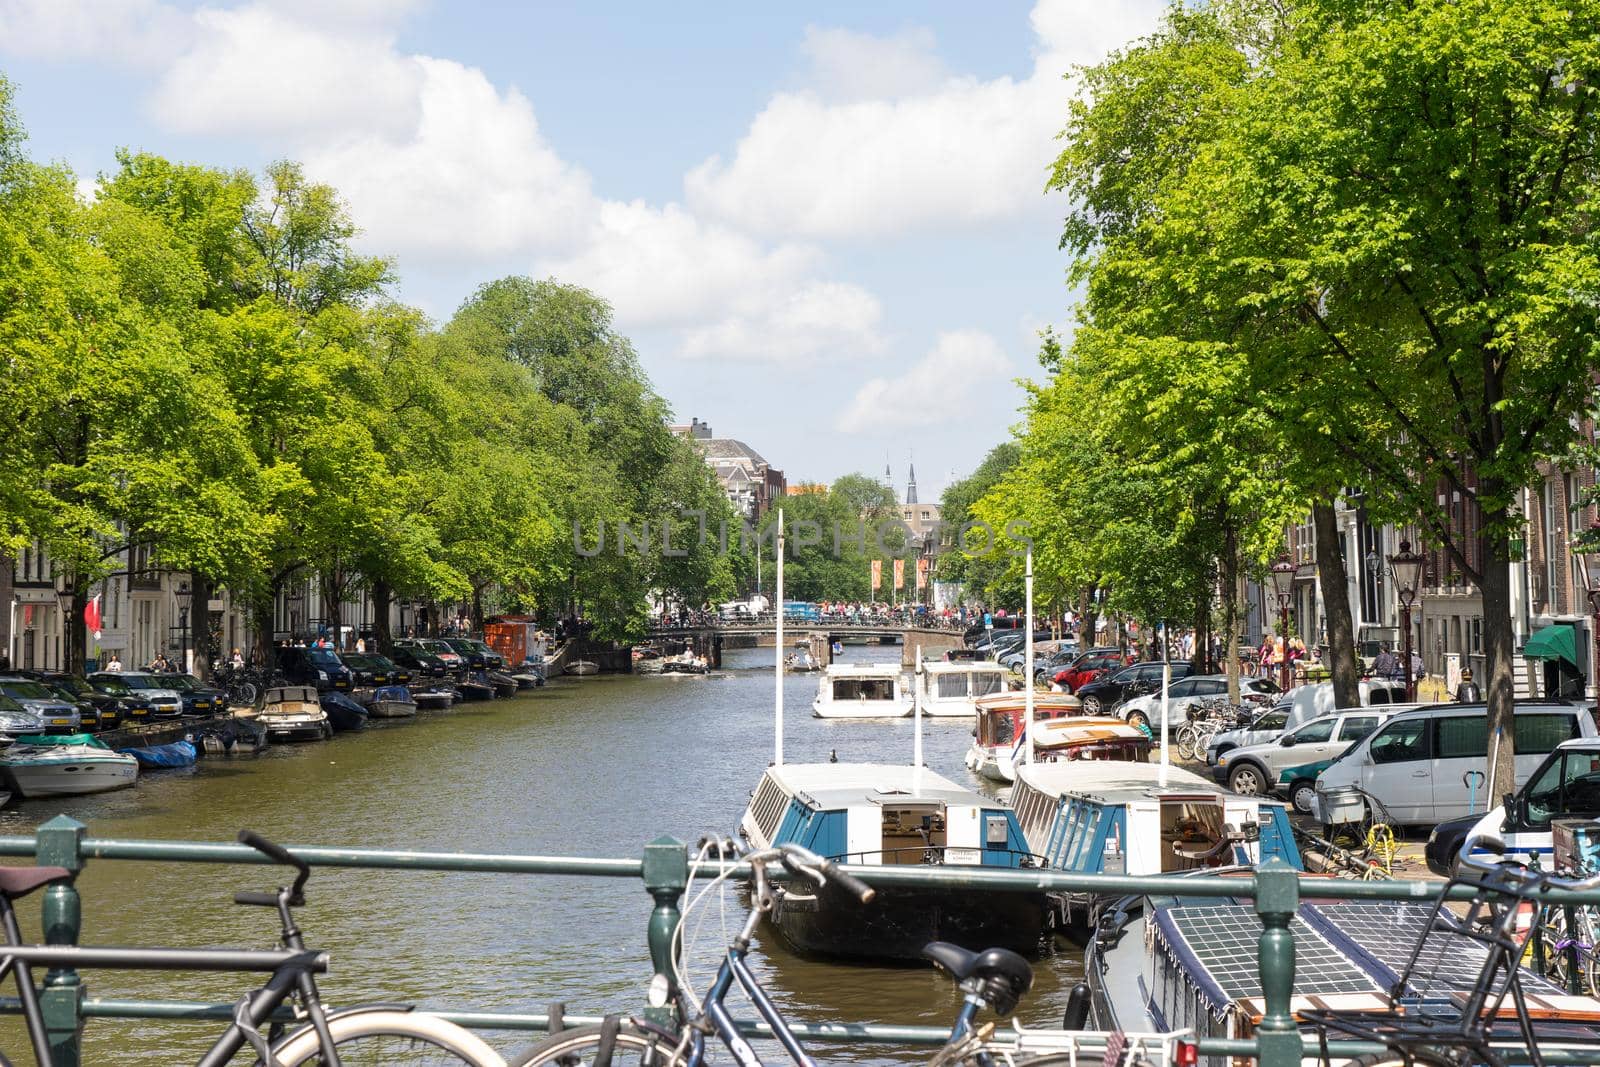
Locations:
{"points": [[322, 657], [364, 662], [27, 690], [141, 681], [186, 683], [9, 705]]}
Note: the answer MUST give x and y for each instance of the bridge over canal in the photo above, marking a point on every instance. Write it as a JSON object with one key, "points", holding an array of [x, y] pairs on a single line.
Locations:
{"points": [[762, 633]]}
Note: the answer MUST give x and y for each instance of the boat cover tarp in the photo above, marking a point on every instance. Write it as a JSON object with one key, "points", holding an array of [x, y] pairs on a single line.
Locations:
{"points": [[65, 739], [175, 754]]}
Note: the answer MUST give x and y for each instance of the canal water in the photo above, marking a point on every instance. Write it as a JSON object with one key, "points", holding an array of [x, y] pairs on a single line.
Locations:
{"points": [[592, 767]]}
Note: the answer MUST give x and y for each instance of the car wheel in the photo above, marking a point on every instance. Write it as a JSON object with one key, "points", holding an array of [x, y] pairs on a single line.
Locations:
{"points": [[1301, 794], [1139, 720], [1092, 705], [1247, 780]]}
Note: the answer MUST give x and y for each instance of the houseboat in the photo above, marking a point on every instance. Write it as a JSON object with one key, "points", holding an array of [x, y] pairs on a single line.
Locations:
{"points": [[878, 815], [952, 689], [1093, 817], [1061, 731], [861, 691]]}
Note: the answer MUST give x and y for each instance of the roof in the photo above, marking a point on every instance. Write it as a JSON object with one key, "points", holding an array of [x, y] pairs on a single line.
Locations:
{"points": [[1113, 781], [727, 448], [966, 666], [839, 785], [863, 670]]}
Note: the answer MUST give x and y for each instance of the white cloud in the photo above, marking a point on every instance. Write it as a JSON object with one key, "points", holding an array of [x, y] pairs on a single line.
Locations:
{"points": [[938, 387], [846, 65], [963, 151], [136, 32]]}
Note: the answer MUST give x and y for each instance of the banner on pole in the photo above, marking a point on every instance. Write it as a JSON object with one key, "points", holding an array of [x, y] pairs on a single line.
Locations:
{"points": [[899, 573], [922, 572], [877, 574]]}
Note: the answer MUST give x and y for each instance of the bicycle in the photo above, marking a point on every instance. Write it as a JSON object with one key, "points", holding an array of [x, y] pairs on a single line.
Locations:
{"points": [[1462, 1027], [346, 1037], [995, 979]]}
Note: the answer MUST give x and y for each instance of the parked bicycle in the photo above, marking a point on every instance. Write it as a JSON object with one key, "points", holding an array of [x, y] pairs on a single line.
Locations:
{"points": [[994, 979], [243, 685], [346, 1037]]}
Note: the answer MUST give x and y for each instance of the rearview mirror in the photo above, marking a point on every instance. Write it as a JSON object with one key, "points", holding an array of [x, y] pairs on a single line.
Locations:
{"points": [[1287, 740]]}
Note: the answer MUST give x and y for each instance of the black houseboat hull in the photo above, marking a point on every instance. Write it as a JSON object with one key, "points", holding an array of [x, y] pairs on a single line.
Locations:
{"points": [[895, 926]]}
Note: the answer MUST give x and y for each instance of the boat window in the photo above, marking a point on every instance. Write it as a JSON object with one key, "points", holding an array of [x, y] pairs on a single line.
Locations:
{"points": [[950, 685], [985, 683], [1004, 729], [1403, 741], [863, 689], [767, 807], [1542, 733]]}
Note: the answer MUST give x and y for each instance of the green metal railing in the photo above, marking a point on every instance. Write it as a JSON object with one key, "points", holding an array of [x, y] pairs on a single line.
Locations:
{"points": [[664, 870]]}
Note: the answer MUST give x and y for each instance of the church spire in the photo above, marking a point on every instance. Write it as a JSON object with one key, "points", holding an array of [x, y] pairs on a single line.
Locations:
{"points": [[911, 485]]}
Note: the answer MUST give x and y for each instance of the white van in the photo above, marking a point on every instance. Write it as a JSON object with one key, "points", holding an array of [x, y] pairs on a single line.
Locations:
{"points": [[1422, 766], [1314, 701]]}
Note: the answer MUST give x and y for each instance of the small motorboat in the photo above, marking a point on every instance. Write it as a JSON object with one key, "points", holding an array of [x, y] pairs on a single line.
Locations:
{"points": [[293, 713], [238, 735], [434, 698], [343, 713], [392, 702], [583, 667], [647, 660], [685, 662], [50, 770], [174, 754], [504, 685], [471, 689], [529, 679], [801, 661]]}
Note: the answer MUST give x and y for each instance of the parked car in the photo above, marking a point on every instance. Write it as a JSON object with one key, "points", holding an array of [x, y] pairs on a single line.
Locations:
{"points": [[60, 715], [1042, 650], [198, 698], [18, 721], [1313, 701], [1186, 694], [1306, 750], [475, 654], [1087, 667], [1106, 693], [105, 709], [435, 646], [142, 696], [321, 667], [1267, 726], [1565, 786], [1422, 765], [419, 663]]}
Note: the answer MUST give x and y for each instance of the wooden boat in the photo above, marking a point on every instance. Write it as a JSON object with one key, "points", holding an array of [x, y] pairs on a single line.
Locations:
{"points": [[1061, 731], [434, 698], [647, 660], [61, 770], [861, 691], [879, 814], [503, 684], [583, 667], [294, 713], [392, 702], [952, 689]]}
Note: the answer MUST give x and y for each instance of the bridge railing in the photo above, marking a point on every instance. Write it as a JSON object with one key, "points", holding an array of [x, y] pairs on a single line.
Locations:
{"points": [[663, 871], [765, 621]]}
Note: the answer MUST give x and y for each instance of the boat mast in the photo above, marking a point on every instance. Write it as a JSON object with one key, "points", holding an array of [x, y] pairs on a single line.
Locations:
{"points": [[1027, 663], [777, 645], [917, 678]]}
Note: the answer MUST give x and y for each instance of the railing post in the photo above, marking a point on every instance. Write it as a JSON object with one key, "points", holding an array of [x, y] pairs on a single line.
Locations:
{"points": [[1277, 901], [59, 843], [666, 873]]}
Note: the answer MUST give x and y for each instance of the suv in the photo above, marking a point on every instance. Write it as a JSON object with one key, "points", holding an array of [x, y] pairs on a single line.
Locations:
{"points": [[1268, 726], [98, 709], [477, 655], [1107, 692], [140, 693], [198, 698], [373, 669], [419, 663], [59, 714], [1291, 763], [1185, 695], [320, 667]]}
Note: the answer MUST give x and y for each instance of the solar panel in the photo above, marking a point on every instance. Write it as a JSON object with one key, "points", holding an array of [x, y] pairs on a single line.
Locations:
{"points": [[1222, 940], [1386, 932]]}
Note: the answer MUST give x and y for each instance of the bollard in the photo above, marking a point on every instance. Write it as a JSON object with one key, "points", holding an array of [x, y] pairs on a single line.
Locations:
{"points": [[666, 873], [59, 843], [1277, 901]]}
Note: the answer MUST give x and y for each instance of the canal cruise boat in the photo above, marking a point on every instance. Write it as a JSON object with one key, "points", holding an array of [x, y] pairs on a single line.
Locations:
{"points": [[861, 691], [952, 690], [882, 815], [1061, 732], [1092, 817]]}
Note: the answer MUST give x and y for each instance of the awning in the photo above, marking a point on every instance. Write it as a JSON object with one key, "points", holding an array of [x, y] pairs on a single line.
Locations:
{"points": [[1553, 642]]}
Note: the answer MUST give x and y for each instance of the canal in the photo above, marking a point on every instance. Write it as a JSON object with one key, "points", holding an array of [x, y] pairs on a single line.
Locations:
{"points": [[593, 766]]}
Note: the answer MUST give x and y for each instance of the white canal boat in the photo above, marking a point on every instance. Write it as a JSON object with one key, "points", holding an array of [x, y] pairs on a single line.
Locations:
{"points": [[861, 691], [1061, 732], [293, 713], [66, 770], [952, 690]]}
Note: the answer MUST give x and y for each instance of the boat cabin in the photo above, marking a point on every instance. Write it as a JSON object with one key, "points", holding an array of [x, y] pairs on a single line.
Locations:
{"points": [[952, 689], [1060, 732], [861, 691], [1116, 818]]}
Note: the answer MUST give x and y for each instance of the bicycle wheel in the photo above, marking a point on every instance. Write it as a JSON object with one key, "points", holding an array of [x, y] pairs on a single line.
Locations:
{"points": [[407, 1038], [1419, 1058], [584, 1045]]}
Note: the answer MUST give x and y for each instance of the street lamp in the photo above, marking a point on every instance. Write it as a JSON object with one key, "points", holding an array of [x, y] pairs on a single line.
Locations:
{"points": [[64, 599], [1587, 547], [1283, 584], [1406, 566]]}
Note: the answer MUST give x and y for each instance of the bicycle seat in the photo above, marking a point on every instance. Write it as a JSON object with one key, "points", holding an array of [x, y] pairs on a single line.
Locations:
{"points": [[1002, 975], [18, 882]]}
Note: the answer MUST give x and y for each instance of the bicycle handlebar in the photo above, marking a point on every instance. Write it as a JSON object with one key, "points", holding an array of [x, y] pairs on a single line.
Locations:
{"points": [[1493, 842], [803, 863]]}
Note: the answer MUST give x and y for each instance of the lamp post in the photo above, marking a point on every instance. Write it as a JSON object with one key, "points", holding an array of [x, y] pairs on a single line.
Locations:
{"points": [[64, 600], [1283, 585], [1587, 547], [1406, 567]]}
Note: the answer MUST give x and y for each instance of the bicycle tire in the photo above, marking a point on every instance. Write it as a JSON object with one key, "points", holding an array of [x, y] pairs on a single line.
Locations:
{"points": [[576, 1048], [405, 1038], [1419, 1058]]}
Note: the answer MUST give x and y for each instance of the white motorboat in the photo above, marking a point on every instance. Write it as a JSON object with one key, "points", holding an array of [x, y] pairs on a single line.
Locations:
{"points": [[392, 702], [861, 691], [583, 667], [293, 713], [951, 690], [66, 770], [1061, 731], [439, 697]]}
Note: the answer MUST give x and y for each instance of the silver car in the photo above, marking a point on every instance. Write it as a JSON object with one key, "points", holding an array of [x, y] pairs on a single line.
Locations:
{"points": [[36, 698], [1266, 727]]}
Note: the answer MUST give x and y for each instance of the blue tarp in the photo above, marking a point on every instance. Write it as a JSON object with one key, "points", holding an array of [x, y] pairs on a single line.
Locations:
{"points": [[176, 754]]}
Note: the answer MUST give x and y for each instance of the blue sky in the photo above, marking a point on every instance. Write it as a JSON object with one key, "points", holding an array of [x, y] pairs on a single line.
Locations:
{"points": [[823, 225]]}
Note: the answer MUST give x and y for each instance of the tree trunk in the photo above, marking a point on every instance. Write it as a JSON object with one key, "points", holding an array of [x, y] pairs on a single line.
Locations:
{"points": [[1498, 641], [1336, 602], [477, 609], [1230, 607], [205, 655], [382, 594], [1089, 619], [332, 606], [74, 652], [261, 610]]}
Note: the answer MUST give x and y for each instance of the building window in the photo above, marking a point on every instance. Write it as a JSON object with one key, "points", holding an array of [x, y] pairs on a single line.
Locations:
{"points": [[1552, 546], [1475, 635]]}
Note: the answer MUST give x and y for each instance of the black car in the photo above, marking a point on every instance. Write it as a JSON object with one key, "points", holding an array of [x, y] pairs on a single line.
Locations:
{"points": [[198, 698], [98, 709], [478, 656], [1105, 693], [373, 669], [321, 667], [419, 663]]}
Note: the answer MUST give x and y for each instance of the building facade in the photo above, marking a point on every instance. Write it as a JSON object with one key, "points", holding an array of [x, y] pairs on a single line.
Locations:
{"points": [[753, 486]]}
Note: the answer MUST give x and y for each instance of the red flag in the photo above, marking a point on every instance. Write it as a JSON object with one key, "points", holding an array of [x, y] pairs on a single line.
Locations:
{"points": [[91, 615]]}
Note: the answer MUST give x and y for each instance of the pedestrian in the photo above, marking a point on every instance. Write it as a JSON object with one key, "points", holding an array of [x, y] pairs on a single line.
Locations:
{"points": [[1468, 692], [361, 645], [114, 663], [1387, 665], [237, 662]]}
